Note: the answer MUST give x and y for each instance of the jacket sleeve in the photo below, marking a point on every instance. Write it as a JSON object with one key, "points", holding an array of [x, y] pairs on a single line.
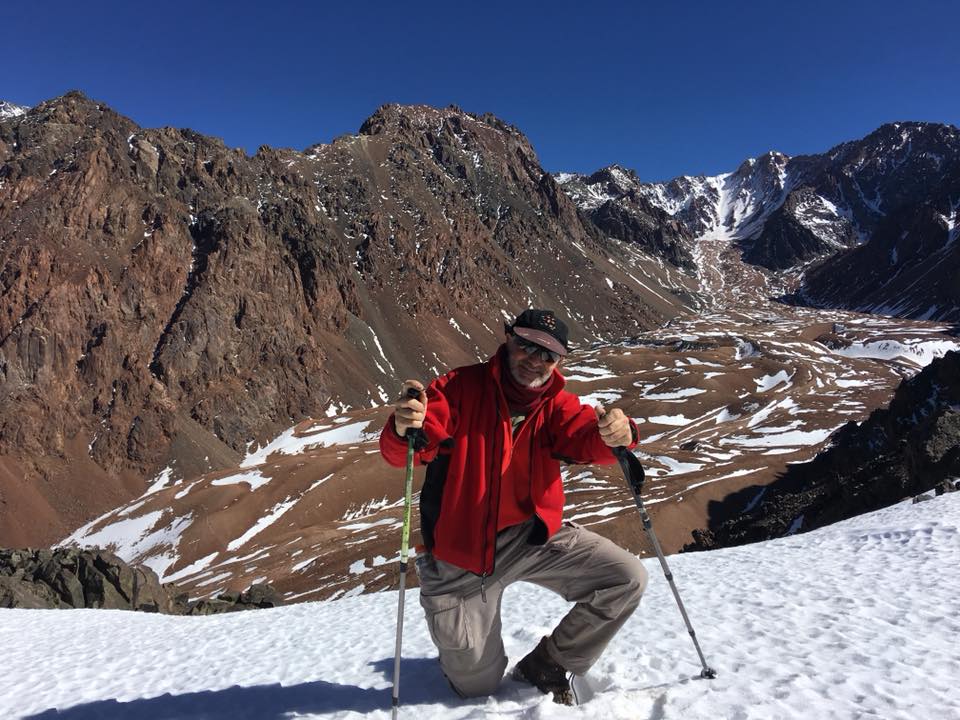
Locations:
{"points": [[575, 433], [438, 425]]}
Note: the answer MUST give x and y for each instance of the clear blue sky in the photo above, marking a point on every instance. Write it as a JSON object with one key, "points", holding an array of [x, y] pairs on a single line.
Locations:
{"points": [[663, 88]]}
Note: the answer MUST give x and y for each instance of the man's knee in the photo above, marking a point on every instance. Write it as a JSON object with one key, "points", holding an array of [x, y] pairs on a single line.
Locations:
{"points": [[631, 582]]}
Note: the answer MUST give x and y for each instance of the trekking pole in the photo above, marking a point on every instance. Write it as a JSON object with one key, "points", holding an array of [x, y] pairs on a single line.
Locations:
{"points": [[415, 441], [633, 472]]}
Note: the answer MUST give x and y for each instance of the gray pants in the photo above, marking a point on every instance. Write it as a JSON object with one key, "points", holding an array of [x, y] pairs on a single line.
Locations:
{"points": [[603, 579]]}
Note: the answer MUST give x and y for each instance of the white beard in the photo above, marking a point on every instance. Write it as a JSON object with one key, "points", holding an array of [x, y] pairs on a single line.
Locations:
{"points": [[535, 383]]}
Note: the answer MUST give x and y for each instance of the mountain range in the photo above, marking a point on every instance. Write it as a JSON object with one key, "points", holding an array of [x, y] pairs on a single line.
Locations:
{"points": [[196, 342], [167, 300], [864, 222]]}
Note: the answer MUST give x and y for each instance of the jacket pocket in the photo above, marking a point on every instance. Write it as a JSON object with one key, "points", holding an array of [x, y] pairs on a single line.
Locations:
{"points": [[447, 621]]}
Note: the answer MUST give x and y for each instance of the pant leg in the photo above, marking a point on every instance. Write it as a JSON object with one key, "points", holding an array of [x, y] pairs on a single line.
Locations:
{"points": [[605, 581], [464, 622]]}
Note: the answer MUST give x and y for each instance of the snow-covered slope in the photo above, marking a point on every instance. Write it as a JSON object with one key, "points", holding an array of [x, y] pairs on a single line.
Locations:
{"points": [[856, 620], [8, 109]]}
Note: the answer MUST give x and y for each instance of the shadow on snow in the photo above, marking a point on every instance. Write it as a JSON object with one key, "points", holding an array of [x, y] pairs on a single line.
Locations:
{"points": [[421, 682]]}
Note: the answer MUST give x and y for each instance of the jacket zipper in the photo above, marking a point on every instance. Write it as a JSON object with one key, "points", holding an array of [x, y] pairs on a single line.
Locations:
{"points": [[493, 493]]}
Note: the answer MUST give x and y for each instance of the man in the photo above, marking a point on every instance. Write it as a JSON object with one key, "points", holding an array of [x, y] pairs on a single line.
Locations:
{"points": [[491, 510]]}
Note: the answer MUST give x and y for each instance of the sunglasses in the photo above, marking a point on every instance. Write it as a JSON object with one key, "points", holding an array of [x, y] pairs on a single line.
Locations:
{"points": [[533, 349]]}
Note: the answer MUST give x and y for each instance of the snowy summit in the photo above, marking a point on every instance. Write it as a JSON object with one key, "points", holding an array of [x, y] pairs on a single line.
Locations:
{"points": [[856, 620], [8, 110]]}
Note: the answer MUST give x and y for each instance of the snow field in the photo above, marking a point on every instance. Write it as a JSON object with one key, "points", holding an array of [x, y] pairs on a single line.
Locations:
{"points": [[856, 620]]}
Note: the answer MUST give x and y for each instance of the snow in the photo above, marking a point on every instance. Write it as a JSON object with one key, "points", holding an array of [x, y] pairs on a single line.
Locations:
{"points": [[114, 533], [9, 110], [192, 569], [726, 416], [137, 537], [791, 438], [584, 373], [669, 420], [675, 395], [950, 219], [253, 478], [278, 510], [920, 352], [601, 397], [456, 326], [768, 382], [161, 481], [851, 621], [292, 442]]}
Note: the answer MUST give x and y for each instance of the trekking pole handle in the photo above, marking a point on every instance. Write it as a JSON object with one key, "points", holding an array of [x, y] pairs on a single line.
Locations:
{"points": [[632, 469], [415, 436]]}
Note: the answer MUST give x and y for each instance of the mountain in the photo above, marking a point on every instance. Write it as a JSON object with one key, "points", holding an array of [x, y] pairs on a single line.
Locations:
{"points": [[872, 223], [167, 300], [9, 110], [851, 621], [610, 199], [908, 448], [196, 345]]}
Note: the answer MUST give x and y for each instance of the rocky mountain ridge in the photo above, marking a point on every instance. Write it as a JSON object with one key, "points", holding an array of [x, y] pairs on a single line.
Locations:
{"points": [[872, 223], [167, 300]]}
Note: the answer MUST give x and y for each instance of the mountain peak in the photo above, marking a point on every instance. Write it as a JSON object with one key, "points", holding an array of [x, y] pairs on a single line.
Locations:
{"points": [[620, 178], [9, 110], [393, 117]]}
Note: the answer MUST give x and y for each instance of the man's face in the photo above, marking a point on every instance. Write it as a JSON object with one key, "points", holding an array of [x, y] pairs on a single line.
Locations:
{"points": [[530, 369]]}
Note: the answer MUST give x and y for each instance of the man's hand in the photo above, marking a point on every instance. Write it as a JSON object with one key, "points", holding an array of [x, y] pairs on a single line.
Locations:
{"points": [[614, 427], [408, 412]]}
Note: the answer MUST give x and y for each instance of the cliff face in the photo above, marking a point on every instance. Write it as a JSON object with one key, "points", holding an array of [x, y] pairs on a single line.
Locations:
{"points": [[164, 299]]}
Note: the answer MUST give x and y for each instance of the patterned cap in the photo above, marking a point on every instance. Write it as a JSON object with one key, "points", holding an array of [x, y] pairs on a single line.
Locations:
{"points": [[542, 327]]}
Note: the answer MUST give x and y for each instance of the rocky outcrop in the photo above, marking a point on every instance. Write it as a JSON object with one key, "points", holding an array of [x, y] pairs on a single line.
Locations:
{"points": [[256, 597], [167, 300], [69, 578], [911, 447], [72, 578]]}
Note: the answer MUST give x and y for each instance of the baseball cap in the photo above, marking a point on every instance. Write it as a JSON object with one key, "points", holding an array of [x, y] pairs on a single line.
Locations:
{"points": [[542, 327]]}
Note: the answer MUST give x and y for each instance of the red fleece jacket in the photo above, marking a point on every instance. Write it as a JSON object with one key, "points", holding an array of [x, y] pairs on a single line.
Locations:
{"points": [[467, 406]]}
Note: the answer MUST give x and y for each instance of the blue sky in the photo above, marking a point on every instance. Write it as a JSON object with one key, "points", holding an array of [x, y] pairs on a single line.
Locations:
{"points": [[666, 88]]}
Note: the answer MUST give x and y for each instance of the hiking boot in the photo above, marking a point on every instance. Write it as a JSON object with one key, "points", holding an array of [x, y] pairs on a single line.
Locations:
{"points": [[539, 669]]}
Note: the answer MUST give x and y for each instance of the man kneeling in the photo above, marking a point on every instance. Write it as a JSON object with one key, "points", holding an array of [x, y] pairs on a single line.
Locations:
{"points": [[492, 504]]}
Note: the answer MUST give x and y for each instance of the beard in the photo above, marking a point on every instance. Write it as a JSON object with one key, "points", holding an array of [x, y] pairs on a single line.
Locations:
{"points": [[527, 375]]}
